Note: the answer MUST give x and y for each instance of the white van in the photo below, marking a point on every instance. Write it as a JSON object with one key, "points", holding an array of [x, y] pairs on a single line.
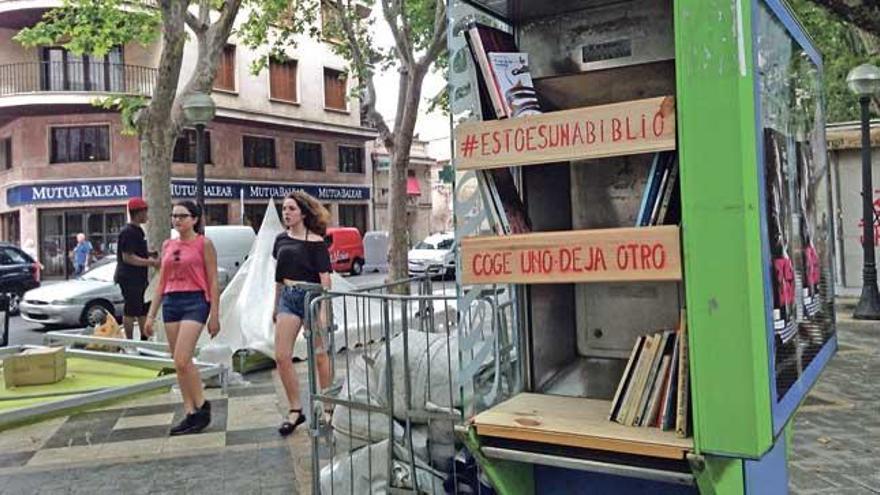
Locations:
{"points": [[233, 244]]}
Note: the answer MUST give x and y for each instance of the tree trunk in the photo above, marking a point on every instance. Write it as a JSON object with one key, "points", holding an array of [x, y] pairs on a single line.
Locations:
{"points": [[156, 151]]}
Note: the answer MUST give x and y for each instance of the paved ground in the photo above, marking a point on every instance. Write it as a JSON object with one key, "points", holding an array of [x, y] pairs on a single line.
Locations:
{"points": [[125, 448]]}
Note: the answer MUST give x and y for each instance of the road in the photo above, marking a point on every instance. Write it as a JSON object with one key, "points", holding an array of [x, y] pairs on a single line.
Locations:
{"points": [[24, 333]]}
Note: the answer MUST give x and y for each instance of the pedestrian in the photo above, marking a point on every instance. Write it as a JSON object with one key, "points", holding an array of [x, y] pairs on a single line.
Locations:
{"points": [[302, 257], [132, 267], [190, 297], [81, 254]]}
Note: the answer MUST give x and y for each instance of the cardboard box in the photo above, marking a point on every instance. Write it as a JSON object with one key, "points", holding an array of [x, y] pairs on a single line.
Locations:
{"points": [[35, 367]]}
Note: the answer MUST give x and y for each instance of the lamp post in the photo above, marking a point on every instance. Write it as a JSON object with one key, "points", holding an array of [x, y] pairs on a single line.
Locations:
{"points": [[198, 108], [864, 81]]}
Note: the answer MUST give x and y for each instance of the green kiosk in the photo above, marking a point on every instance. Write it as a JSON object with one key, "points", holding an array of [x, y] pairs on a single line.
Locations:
{"points": [[643, 204]]}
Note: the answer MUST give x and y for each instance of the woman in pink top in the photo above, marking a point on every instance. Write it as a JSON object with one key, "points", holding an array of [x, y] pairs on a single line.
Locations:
{"points": [[190, 297]]}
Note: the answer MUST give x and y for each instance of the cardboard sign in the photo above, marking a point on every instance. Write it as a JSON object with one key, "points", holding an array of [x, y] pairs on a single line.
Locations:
{"points": [[608, 255], [629, 128]]}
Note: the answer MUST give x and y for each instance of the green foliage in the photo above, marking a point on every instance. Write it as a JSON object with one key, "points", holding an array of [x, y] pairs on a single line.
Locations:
{"points": [[93, 26], [127, 106], [842, 49]]}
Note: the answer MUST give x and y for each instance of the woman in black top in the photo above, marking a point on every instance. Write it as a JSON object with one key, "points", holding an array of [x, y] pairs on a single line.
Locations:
{"points": [[302, 257]]}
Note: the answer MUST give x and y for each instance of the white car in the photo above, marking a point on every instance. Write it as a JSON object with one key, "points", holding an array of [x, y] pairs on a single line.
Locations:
{"points": [[433, 256]]}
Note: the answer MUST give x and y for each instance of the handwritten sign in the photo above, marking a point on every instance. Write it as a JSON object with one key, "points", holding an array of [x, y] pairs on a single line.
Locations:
{"points": [[629, 128], [608, 255]]}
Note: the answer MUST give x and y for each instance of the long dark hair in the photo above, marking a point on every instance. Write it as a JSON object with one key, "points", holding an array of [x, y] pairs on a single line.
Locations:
{"points": [[315, 216], [196, 212]]}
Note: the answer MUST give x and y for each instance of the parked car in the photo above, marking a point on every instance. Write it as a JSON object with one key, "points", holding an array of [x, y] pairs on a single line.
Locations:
{"points": [[83, 301], [346, 249], [19, 273], [433, 256]]}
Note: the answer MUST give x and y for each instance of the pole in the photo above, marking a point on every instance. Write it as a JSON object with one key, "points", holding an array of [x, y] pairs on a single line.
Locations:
{"points": [[200, 169], [869, 302]]}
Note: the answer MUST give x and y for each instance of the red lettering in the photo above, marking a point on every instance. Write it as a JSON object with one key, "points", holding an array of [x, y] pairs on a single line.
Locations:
{"points": [[599, 259], [602, 130], [644, 126], [476, 266], [564, 135], [496, 138], [616, 131], [578, 134], [529, 138], [542, 133], [629, 136], [658, 256], [658, 129], [591, 132], [645, 253], [484, 143], [519, 140], [507, 140]]}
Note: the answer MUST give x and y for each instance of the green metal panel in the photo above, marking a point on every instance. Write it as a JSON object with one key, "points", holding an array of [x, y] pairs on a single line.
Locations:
{"points": [[721, 476], [721, 227]]}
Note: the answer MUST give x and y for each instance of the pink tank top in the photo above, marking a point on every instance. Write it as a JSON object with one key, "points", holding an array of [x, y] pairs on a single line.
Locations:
{"points": [[184, 265]]}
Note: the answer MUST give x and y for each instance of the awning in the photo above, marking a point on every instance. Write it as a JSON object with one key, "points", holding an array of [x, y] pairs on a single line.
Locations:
{"points": [[412, 187]]}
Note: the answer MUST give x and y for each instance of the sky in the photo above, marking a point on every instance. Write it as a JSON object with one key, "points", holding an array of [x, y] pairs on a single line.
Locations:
{"points": [[431, 127]]}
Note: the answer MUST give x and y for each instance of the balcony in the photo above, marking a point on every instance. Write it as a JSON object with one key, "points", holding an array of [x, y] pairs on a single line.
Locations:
{"points": [[30, 78]]}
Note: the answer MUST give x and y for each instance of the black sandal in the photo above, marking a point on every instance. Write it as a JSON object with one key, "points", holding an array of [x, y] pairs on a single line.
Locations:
{"points": [[287, 427]]}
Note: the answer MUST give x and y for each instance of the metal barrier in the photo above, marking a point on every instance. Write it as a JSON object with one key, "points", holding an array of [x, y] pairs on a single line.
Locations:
{"points": [[4, 320], [403, 377]]}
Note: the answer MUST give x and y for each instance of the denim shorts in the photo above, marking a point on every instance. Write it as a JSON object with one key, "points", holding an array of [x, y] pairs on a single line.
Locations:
{"points": [[189, 306], [292, 302]]}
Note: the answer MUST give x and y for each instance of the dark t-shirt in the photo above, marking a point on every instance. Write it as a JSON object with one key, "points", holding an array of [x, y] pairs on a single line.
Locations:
{"points": [[132, 240], [300, 260]]}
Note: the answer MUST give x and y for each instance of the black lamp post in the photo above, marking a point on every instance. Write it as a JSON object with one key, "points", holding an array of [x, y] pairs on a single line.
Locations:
{"points": [[198, 108], [864, 81]]}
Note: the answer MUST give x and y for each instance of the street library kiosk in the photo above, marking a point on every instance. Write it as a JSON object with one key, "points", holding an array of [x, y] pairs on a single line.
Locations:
{"points": [[654, 203]]}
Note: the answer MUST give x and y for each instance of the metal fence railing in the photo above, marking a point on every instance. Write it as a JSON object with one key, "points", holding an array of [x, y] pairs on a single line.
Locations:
{"points": [[404, 374], [86, 76]]}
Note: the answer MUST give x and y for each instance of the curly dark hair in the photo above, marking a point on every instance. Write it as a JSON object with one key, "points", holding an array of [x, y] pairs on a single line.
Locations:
{"points": [[315, 216]]}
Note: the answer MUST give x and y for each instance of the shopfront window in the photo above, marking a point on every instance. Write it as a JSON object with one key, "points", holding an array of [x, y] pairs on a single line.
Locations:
{"points": [[58, 230], [353, 216], [80, 144], [10, 228], [216, 214], [799, 233], [254, 213]]}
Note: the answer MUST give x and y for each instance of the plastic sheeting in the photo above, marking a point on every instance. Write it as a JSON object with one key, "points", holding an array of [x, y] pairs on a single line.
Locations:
{"points": [[366, 471]]}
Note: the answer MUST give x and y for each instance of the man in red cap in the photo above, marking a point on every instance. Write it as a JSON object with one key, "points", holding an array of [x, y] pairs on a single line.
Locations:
{"points": [[132, 264]]}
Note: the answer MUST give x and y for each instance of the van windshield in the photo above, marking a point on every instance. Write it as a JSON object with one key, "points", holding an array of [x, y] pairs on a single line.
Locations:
{"points": [[425, 245]]}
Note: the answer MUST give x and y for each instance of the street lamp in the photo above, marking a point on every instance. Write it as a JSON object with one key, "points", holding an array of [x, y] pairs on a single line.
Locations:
{"points": [[198, 108], [864, 81]]}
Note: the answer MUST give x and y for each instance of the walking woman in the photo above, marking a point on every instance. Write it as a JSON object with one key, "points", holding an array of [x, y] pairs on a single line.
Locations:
{"points": [[302, 258], [190, 297]]}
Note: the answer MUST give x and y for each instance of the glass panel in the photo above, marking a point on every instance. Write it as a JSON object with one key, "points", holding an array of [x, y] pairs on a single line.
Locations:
{"points": [[309, 156], [116, 70], [76, 76], [53, 58], [52, 252], [797, 201]]}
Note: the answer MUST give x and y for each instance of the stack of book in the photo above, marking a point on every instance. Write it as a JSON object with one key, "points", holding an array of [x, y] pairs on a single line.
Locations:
{"points": [[661, 199], [655, 388]]}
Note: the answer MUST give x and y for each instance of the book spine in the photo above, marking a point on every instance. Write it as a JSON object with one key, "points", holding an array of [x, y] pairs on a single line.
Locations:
{"points": [[681, 419], [625, 379], [668, 410], [483, 65], [667, 196], [647, 192], [628, 411], [645, 393], [650, 418]]}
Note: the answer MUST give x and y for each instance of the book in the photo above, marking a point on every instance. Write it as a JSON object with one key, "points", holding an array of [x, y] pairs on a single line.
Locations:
{"points": [[655, 176], [660, 218], [650, 417], [667, 409], [658, 198], [645, 395], [626, 378], [482, 40], [655, 162], [683, 406], [640, 376], [513, 81]]}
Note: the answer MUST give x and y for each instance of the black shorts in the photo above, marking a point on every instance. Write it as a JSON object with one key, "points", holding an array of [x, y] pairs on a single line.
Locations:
{"points": [[133, 294]]}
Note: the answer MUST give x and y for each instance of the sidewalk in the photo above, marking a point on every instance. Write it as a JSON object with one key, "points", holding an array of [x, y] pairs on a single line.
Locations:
{"points": [[125, 448]]}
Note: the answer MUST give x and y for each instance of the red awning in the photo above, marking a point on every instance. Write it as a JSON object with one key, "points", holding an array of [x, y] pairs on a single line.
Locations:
{"points": [[412, 187]]}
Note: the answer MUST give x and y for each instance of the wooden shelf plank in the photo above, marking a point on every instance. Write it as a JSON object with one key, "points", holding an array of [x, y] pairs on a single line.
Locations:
{"points": [[628, 128], [576, 422], [607, 255]]}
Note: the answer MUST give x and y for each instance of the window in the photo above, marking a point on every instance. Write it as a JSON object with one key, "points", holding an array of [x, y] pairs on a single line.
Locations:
{"points": [[282, 80], [309, 156], [258, 151], [353, 216], [14, 257], [6, 153], [65, 71], [225, 78], [10, 227], [334, 90], [351, 159], [185, 147], [80, 144], [216, 215], [330, 28]]}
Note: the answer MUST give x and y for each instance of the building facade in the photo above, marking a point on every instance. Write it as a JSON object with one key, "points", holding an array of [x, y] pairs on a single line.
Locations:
{"points": [[422, 175], [66, 167]]}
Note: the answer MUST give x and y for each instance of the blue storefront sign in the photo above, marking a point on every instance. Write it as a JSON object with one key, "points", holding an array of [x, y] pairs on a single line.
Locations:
{"points": [[75, 191]]}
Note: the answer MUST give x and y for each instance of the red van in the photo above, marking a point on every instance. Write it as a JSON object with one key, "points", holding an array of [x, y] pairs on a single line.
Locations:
{"points": [[346, 249]]}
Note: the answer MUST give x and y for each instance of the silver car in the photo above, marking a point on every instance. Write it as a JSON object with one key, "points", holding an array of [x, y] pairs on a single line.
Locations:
{"points": [[82, 301], [77, 302]]}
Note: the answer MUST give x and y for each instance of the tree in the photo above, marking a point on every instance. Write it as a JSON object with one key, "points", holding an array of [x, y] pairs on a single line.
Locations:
{"points": [[95, 26], [419, 31], [864, 14], [844, 44]]}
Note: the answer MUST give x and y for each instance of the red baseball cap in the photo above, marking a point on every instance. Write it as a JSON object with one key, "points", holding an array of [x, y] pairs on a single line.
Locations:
{"points": [[137, 204]]}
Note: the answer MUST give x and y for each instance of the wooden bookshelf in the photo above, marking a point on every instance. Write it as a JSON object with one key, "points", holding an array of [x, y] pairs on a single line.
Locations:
{"points": [[618, 129], [604, 255], [575, 422]]}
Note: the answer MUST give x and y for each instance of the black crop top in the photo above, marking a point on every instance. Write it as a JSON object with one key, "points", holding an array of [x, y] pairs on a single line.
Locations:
{"points": [[300, 260]]}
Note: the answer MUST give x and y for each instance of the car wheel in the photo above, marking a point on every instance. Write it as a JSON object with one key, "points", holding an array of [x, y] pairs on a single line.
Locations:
{"points": [[94, 313], [15, 298], [357, 267]]}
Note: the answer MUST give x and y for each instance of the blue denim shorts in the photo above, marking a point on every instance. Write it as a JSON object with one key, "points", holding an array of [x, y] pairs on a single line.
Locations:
{"points": [[292, 302], [189, 306]]}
